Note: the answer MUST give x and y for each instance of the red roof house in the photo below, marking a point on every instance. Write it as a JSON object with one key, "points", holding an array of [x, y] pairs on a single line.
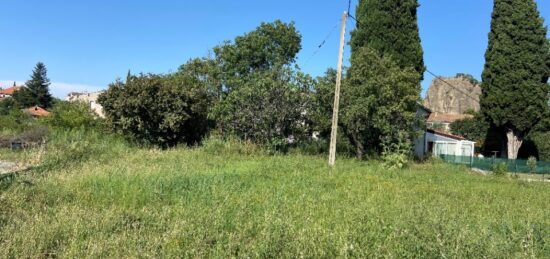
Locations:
{"points": [[37, 111]]}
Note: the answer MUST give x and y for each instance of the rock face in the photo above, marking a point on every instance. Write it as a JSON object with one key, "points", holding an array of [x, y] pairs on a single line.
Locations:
{"points": [[443, 98]]}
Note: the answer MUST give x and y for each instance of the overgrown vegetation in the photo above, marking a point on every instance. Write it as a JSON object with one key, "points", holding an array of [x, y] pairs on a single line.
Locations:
{"points": [[228, 199]]}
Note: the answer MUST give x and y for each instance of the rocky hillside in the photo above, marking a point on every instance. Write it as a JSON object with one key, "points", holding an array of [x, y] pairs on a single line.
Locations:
{"points": [[443, 98]]}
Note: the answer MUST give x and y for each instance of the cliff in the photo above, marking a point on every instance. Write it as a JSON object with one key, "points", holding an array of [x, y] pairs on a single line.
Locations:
{"points": [[443, 98]]}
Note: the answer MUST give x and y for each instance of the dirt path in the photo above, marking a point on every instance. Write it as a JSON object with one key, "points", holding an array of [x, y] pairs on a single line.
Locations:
{"points": [[7, 167]]}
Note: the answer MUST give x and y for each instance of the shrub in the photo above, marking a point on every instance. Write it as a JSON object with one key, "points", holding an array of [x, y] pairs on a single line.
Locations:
{"points": [[396, 154], [67, 115], [500, 169], [158, 110], [532, 164]]}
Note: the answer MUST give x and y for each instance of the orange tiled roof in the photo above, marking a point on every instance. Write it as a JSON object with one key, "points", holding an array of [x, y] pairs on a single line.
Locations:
{"points": [[443, 117], [37, 111], [10, 91]]}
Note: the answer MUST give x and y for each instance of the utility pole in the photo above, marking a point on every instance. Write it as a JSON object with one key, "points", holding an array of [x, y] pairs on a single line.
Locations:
{"points": [[336, 108]]}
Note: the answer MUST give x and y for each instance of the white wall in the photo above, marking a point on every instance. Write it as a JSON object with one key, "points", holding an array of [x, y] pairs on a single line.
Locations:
{"points": [[447, 146]]}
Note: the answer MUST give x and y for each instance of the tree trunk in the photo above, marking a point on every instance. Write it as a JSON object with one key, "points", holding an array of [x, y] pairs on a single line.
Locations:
{"points": [[515, 140], [359, 148]]}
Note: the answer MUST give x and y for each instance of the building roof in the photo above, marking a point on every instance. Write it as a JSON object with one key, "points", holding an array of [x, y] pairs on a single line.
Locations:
{"points": [[450, 118], [37, 111], [447, 135], [10, 91]]}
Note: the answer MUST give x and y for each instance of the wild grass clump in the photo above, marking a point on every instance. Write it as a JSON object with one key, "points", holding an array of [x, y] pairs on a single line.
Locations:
{"points": [[218, 145], [72, 147]]}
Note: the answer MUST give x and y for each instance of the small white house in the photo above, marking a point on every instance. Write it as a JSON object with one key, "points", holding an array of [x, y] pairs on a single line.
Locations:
{"points": [[438, 143]]}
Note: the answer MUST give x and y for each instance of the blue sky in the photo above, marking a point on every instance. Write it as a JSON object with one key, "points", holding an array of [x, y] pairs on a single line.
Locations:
{"points": [[88, 44]]}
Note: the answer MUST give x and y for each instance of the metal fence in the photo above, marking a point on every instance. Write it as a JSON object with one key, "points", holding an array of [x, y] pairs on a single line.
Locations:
{"points": [[487, 164]]}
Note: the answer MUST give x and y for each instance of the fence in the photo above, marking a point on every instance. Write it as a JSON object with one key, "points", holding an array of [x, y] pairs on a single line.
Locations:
{"points": [[487, 164]]}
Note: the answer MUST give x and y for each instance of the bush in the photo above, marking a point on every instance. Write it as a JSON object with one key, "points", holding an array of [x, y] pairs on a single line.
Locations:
{"points": [[158, 110], [67, 115], [396, 155], [500, 169], [532, 164], [16, 121]]}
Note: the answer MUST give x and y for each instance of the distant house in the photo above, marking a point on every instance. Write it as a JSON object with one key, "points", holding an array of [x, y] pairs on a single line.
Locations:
{"points": [[442, 121], [88, 98], [37, 111], [8, 92], [434, 142]]}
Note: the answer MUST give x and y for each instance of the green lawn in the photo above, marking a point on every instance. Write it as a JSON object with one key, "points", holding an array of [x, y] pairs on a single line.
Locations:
{"points": [[198, 203]]}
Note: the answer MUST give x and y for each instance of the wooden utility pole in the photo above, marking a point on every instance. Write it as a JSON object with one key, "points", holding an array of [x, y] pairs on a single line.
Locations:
{"points": [[336, 108]]}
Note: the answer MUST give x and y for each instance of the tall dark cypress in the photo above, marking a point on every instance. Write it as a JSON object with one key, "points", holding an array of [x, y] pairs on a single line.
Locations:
{"points": [[391, 28], [383, 83], [515, 79]]}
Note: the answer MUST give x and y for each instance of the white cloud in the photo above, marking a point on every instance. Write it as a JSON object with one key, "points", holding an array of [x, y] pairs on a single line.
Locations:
{"points": [[58, 89]]}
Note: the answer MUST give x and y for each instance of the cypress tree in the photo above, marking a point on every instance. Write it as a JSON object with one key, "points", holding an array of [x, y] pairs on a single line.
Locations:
{"points": [[383, 82], [36, 90], [391, 28], [515, 79]]}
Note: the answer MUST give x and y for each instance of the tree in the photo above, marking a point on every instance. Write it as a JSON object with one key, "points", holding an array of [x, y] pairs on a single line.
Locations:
{"points": [[380, 102], [383, 82], [514, 81], [159, 110], [390, 27], [36, 91], [262, 95], [475, 128]]}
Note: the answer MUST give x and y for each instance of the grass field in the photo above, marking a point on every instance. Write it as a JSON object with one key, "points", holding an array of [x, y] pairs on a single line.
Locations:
{"points": [[220, 201]]}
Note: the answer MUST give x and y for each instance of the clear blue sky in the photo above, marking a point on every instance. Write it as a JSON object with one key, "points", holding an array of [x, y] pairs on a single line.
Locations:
{"points": [[88, 44]]}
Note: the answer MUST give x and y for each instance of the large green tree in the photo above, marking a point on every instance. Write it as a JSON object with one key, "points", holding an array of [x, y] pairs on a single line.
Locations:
{"points": [[36, 90], [262, 94], [515, 89], [383, 82]]}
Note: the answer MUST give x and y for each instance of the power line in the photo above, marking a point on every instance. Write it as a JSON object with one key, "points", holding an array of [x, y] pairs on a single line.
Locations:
{"points": [[456, 88], [322, 44], [358, 24]]}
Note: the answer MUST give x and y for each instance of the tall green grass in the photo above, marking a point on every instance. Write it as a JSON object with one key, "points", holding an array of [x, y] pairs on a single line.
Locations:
{"points": [[228, 199]]}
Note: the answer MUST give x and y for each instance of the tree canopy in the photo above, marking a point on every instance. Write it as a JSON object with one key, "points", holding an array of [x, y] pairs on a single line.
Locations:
{"points": [[36, 90], [515, 89]]}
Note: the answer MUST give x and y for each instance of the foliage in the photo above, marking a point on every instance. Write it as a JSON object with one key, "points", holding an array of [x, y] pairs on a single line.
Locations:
{"points": [[500, 169], [16, 121], [263, 97], [36, 90], [383, 82], [158, 110], [532, 164], [379, 101], [542, 144], [131, 202], [269, 45], [475, 128], [7, 105], [469, 77], [321, 102], [396, 152], [390, 27], [267, 108], [71, 116], [515, 89]]}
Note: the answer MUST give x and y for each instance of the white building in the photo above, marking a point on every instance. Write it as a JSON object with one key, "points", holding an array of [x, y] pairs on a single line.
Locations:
{"points": [[88, 98], [437, 143]]}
